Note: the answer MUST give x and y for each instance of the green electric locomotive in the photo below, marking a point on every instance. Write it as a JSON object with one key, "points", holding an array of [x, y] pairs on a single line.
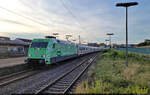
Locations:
{"points": [[50, 50]]}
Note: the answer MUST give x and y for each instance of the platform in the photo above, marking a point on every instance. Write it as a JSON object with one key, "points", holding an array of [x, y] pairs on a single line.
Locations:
{"points": [[11, 61]]}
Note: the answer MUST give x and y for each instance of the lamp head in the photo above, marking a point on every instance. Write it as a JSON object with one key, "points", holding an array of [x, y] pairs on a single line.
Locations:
{"points": [[126, 4]]}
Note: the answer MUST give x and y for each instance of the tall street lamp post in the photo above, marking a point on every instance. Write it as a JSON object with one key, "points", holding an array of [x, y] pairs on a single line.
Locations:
{"points": [[110, 34], [126, 5]]}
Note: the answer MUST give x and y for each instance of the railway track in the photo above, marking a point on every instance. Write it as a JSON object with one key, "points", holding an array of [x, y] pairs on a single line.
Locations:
{"points": [[7, 79], [62, 84]]}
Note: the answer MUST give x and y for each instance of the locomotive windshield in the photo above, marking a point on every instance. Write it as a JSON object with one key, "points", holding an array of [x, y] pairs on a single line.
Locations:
{"points": [[39, 44]]}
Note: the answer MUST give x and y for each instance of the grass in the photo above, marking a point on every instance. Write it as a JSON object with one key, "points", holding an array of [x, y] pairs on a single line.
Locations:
{"points": [[110, 75]]}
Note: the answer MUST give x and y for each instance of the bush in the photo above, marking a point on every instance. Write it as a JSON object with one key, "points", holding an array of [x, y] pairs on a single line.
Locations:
{"points": [[110, 74]]}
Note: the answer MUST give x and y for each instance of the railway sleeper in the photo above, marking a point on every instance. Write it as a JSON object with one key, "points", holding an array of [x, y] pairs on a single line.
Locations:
{"points": [[55, 90], [67, 79], [58, 86], [63, 81], [61, 85], [72, 75]]}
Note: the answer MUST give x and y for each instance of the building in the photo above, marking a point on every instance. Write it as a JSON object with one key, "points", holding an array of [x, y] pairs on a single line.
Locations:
{"points": [[4, 38], [14, 47], [25, 40]]}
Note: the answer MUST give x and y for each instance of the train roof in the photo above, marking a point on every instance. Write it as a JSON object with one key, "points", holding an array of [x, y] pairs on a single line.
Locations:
{"points": [[65, 42]]}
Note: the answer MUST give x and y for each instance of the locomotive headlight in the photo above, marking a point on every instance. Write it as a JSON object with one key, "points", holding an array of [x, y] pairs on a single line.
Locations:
{"points": [[30, 55], [46, 60], [43, 55]]}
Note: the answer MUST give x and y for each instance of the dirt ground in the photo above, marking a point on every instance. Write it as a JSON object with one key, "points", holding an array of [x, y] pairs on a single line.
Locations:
{"points": [[11, 61]]}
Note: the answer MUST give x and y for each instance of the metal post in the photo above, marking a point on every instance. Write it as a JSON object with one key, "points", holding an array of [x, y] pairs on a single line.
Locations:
{"points": [[126, 5], [67, 38], [79, 40], [127, 36], [106, 42]]}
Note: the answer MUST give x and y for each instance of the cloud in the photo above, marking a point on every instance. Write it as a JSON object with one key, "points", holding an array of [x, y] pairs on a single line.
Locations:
{"points": [[15, 22], [94, 19]]}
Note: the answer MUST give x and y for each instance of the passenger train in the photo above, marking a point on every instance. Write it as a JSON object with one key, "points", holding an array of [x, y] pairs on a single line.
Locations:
{"points": [[51, 50]]}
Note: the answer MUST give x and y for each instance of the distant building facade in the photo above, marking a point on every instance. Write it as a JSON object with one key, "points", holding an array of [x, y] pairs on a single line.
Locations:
{"points": [[15, 47], [4, 38], [25, 40]]}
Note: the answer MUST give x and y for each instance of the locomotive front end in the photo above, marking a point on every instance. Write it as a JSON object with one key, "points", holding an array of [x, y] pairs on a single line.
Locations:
{"points": [[37, 51]]}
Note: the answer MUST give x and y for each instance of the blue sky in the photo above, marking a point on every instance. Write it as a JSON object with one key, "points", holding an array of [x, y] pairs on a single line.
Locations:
{"points": [[91, 19]]}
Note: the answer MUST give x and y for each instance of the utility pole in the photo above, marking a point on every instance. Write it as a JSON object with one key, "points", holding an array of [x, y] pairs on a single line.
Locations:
{"points": [[79, 40], [67, 37]]}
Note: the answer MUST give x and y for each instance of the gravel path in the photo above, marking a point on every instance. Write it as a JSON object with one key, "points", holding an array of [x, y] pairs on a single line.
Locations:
{"points": [[30, 84]]}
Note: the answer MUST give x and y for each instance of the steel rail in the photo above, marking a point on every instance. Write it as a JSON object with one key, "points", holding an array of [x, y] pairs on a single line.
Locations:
{"points": [[79, 76], [65, 74], [46, 86], [14, 74], [18, 78]]}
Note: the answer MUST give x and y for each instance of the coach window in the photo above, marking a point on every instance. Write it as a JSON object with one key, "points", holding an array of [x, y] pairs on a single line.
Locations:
{"points": [[53, 46]]}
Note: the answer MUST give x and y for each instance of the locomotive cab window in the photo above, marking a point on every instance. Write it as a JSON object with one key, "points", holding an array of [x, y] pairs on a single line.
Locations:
{"points": [[39, 44], [53, 46]]}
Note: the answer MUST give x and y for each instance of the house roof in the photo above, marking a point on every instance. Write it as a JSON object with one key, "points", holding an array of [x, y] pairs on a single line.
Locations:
{"points": [[25, 40], [14, 42], [4, 38]]}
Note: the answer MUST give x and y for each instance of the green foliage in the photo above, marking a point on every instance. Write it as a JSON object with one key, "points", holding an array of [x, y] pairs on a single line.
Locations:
{"points": [[110, 74], [115, 55], [144, 44]]}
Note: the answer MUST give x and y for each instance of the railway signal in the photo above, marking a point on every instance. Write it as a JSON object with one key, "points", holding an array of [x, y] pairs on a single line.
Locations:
{"points": [[126, 5]]}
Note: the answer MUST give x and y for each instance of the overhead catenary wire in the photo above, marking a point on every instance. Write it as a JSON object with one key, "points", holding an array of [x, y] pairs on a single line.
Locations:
{"points": [[28, 18], [31, 7], [71, 13], [23, 16], [35, 21]]}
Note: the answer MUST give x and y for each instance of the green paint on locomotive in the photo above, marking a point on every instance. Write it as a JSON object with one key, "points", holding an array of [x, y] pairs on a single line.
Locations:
{"points": [[49, 48]]}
